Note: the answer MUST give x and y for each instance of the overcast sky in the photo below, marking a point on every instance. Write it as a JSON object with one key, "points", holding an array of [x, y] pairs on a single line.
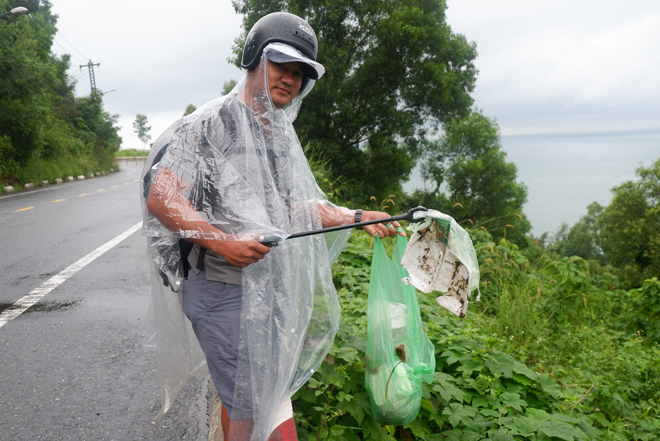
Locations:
{"points": [[567, 66], [158, 56], [564, 67]]}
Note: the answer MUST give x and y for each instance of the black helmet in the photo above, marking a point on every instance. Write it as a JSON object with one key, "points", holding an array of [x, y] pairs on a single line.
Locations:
{"points": [[282, 27]]}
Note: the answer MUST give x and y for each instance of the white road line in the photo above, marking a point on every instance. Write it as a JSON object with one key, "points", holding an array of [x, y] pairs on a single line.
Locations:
{"points": [[36, 294]]}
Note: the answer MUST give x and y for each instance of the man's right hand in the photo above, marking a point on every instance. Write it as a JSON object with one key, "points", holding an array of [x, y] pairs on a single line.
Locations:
{"points": [[240, 253], [175, 211]]}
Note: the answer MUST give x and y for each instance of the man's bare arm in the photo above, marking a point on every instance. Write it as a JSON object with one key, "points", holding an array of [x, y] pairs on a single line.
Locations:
{"points": [[334, 217], [177, 214]]}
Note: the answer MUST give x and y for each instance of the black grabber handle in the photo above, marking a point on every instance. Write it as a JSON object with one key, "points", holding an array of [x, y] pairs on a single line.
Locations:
{"points": [[407, 216]]}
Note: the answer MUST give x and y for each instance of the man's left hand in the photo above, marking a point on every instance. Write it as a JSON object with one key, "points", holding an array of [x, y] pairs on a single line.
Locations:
{"points": [[382, 229]]}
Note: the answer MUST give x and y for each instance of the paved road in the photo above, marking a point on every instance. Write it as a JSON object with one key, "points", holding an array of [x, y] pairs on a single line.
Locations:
{"points": [[72, 367]]}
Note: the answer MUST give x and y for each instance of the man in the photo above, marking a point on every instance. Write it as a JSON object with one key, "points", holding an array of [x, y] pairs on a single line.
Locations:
{"points": [[232, 179]]}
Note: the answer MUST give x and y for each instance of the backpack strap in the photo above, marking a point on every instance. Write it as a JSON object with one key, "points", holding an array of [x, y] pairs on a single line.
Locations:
{"points": [[185, 247], [200, 258]]}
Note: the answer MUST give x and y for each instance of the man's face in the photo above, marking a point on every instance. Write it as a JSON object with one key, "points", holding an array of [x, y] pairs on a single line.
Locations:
{"points": [[284, 81]]}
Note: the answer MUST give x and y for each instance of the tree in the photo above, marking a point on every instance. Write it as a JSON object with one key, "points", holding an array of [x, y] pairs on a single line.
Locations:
{"points": [[473, 182], [630, 227], [190, 109], [142, 129], [395, 72], [582, 238], [228, 86], [45, 131], [26, 77], [98, 128]]}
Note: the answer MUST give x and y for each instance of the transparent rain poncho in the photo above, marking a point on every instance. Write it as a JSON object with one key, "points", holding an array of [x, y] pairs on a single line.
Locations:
{"points": [[237, 164]]}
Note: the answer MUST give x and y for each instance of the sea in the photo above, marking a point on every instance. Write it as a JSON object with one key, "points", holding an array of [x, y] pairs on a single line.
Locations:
{"points": [[565, 173]]}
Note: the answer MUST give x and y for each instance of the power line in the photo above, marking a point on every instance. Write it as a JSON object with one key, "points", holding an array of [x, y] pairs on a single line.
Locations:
{"points": [[84, 56], [55, 41], [78, 75]]}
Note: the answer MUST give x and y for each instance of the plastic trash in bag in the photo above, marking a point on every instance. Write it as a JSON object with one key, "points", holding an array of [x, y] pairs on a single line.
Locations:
{"points": [[399, 356], [440, 257]]}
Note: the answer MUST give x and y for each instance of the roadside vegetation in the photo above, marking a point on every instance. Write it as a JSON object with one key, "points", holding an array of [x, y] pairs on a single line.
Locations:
{"points": [[555, 350], [131, 153], [560, 347], [45, 131]]}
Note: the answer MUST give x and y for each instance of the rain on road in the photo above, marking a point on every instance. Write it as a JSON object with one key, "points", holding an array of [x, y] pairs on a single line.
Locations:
{"points": [[73, 365]]}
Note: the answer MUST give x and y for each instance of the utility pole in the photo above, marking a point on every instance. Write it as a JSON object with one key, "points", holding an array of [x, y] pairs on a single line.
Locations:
{"points": [[90, 66]]}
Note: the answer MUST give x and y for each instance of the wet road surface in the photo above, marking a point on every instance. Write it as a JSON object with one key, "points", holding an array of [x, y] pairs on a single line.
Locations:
{"points": [[73, 366]]}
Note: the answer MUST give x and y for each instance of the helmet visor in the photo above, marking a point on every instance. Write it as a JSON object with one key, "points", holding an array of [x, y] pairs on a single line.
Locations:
{"points": [[284, 53]]}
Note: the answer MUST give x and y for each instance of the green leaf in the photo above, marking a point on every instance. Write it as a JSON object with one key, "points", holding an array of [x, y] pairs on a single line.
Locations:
{"points": [[520, 368], [468, 366], [439, 377], [458, 413], [427, 405], [565, 418], [448, 390], [461, 435], [482, 401], [489, 413], [522, 379], [523, 426], [500, 435], [347, 354], [342, 396], [306, 395], [419, 428], [356, 407], [590, 431], [538, 414], [452, 357], [336, 430], [513, 400], [549, 385], [500, 364], [560, 430]]}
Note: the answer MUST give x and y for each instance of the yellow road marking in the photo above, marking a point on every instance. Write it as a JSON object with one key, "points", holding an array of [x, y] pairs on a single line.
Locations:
{"points": [[24, 209], [59, 200], [114, 186], [84, 194], [100, 189]]}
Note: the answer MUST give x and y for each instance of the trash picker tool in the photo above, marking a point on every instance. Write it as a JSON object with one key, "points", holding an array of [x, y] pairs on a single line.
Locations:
{"points": [[407, 216], [439, 256]]}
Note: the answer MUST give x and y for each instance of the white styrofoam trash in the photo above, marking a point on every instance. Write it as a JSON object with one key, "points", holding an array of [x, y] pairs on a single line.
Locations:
{"points": [[434, 267]]}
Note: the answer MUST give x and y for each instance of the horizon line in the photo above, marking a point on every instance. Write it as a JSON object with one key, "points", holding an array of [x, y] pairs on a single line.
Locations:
{"points": [[592, 133]]}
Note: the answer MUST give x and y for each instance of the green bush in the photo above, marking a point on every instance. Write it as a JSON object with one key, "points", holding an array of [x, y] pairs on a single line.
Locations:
{"points": [[567, 317], [483, 389], [131, 153]]}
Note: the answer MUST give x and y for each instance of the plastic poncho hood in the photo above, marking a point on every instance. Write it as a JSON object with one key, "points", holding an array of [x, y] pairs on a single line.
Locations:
{"points": [[239, 164]]}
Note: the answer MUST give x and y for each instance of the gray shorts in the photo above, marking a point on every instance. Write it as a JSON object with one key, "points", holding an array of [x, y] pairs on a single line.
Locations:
{"points": [[214, 309]]}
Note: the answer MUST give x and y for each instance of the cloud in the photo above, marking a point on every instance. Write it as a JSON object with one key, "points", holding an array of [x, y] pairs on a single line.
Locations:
{"points": [[564, 66], [545, 67]]}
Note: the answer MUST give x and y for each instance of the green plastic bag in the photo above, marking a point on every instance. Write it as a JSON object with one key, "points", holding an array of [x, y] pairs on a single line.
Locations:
{"points": [[399, 356]]}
